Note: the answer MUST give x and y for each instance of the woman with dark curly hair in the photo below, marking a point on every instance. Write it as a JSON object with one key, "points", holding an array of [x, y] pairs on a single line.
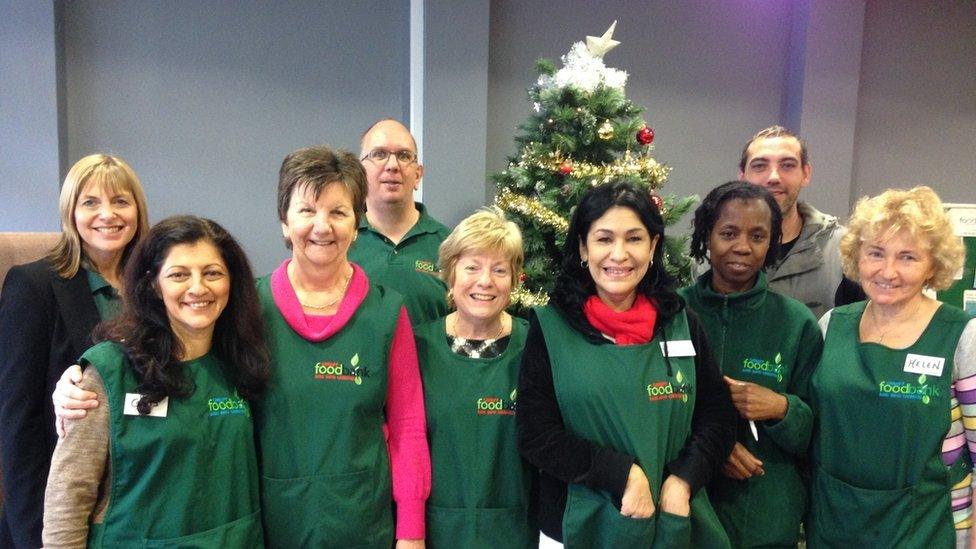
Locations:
{"points": [[767, 346], [620, 403], [168, 458]]}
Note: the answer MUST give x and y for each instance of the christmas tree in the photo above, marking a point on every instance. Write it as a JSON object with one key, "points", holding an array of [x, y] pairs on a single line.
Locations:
{"points": [[583, 132]]}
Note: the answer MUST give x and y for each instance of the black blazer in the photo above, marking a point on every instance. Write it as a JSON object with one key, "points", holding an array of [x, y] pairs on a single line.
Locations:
{"points": [[45, 325]]}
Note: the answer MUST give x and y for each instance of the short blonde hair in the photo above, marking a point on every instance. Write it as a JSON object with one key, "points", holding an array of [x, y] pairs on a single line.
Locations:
{"points": [[486, 230], [101, 169], [920, 212]]}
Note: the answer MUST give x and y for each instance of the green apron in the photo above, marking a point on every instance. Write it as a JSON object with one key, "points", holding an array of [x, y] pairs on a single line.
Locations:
{"points": [[879, 479], [480, 488], [188, 479], [325, 468], [625, 398]]}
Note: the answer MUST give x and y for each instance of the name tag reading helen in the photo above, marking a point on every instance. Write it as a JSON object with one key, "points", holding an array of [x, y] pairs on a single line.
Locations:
{"points": [[158, 410], [922, 364], [679, 348]]}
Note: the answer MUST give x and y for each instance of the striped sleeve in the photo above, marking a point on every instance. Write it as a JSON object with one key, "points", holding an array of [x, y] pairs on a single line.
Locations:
{"points": [[962, 431]]}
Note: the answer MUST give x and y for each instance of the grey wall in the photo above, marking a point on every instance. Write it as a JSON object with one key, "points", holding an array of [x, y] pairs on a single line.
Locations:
{"points": [[916, 119], [455, 107], [204, 100], [28, 117]]}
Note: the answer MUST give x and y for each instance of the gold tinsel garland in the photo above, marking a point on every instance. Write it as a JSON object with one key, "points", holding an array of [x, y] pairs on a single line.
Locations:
{"points": [[523, 297], [629, 165], [532, 208]]}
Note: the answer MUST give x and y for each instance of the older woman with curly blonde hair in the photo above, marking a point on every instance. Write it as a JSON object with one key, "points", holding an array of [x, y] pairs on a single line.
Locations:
{"points": [[886, 390]]}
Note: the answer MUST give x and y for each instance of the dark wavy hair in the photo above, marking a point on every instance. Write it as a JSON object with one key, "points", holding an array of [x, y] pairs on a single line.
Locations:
{"points": [[143, 328], [711, 207], [574, 285]]}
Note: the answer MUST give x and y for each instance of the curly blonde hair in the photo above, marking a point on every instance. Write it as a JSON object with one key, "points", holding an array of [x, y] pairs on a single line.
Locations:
{"points": [[917, 210], [486, 230]]}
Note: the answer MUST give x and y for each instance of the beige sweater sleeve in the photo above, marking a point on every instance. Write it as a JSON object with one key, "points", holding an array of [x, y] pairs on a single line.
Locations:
{"points": [[77, 486]]}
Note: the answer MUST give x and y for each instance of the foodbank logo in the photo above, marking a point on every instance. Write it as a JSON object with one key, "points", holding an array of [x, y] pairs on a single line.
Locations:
{"points": [[905, 390], [760, 367], [336, 371], [228, 406], [497, 406], [425, 266], [669, 390]]}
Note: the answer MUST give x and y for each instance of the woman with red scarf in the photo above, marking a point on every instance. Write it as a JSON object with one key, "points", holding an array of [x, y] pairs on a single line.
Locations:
{"points": [[620, 403]]}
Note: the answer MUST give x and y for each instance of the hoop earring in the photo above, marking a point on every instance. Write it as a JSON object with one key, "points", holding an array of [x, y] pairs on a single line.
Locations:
{"points": [[583, 264]]}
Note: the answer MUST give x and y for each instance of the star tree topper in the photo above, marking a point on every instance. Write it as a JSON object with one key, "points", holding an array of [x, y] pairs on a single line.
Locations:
{"points": [[599, 46], [583, 66]]}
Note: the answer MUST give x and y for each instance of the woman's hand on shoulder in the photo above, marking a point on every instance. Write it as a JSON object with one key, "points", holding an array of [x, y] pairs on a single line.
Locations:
{"points": [[676, 496], [637, 501], [410, 544], [70, 401]]}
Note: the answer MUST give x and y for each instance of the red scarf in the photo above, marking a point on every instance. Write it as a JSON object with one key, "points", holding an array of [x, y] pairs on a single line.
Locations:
{"points": [[631, 327]]}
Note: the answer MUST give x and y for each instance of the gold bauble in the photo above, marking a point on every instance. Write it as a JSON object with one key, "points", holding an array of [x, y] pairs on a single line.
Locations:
{"points": [[605, 131]]}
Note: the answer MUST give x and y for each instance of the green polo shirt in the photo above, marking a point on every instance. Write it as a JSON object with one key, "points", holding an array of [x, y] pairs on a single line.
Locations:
{"points": [[409, 267], [107, 300]]}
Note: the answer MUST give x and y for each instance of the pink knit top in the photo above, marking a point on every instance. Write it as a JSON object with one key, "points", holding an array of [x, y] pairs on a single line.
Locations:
{"points": [[406, 425]]}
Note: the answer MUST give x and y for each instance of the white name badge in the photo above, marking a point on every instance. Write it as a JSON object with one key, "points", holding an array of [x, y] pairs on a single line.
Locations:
{"points": [[679, 348], [158, 410], [921, 364]]}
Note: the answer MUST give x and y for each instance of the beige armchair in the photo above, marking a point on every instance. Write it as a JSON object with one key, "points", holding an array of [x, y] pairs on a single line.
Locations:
{"points": [[18, 248]]}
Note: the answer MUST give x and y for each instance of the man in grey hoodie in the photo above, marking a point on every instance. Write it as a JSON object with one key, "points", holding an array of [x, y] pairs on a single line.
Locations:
{"points": [[809, 268]]}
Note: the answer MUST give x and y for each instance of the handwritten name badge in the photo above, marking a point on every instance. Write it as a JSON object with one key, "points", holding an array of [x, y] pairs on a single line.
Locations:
{"points": [[158, 410], [922, 364], [679, 348]]}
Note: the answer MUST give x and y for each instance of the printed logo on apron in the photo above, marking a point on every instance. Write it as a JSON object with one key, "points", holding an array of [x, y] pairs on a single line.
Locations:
{"points": [[669, 390], [920, 390], [497, 406], [228, 406], [336, 371]]}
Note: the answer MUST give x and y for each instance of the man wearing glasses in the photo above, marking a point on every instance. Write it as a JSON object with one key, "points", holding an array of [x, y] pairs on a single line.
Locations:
{"points": [[397, 242]]}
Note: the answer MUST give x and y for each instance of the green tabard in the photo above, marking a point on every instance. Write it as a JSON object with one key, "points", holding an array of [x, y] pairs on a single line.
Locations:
{"points": [[325, 469], [185, 480], [774, 341], [409, 266], [480, 488], [879, 479], [625, 398]]}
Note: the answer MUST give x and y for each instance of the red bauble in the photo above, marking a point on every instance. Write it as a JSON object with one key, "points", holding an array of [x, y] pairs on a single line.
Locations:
{"points": [[522, 277], [645, 136], [566, 168], [658, 201]]}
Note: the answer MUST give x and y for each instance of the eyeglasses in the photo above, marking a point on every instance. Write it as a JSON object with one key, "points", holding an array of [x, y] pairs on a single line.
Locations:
{"points": [[380, 156]]}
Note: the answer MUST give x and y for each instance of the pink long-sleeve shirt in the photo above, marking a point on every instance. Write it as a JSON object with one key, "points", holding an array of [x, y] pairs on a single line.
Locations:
{"points": [[406, 423]]}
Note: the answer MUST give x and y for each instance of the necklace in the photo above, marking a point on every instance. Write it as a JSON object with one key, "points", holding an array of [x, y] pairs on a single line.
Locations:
{"points": [[345, 286], [501, 328], [894, 324]]}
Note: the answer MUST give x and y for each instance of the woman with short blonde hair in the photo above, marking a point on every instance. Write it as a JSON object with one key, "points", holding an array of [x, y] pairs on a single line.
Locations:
{"points": [[469, 363]]}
